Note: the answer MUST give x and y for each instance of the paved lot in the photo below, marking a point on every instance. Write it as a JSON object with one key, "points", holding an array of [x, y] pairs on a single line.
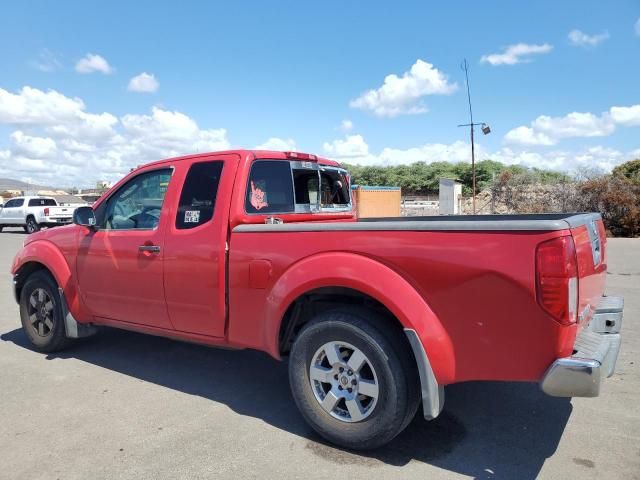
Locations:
{"points": [[124, 405]]}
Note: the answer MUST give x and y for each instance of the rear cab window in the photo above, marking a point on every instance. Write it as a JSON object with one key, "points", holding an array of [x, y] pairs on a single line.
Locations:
{"points": [[42, 202], [280, 186]]}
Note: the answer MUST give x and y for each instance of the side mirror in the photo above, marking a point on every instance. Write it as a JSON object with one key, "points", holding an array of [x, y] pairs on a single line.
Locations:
{"points": [[84, 216]]}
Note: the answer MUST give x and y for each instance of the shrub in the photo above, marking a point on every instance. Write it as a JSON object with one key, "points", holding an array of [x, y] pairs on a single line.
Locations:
{"points": [[616, 198]]}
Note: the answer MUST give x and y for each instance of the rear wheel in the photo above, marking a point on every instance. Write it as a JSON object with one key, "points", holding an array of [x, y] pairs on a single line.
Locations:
{"points": [[31, 226], [41, 313], [353, 378]]}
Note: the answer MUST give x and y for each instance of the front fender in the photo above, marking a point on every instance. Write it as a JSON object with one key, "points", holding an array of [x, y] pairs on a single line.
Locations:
{"points": [[368, 276], [50, 256]]}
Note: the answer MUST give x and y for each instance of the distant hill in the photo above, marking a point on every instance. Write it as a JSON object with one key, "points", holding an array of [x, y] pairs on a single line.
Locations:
{"points": [[11, 184]]}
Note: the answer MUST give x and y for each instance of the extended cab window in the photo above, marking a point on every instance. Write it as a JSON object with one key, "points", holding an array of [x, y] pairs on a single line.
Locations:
{"points": [[42, 202], [137, 204], [296, 187], [270, 188], [198, 198]]}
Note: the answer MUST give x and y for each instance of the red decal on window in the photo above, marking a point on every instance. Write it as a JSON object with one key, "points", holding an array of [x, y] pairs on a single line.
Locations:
{"points": [[257, 197]]}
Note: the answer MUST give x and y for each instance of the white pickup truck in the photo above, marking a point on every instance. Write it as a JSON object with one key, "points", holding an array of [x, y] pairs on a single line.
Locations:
{"points": [[33, 213]]}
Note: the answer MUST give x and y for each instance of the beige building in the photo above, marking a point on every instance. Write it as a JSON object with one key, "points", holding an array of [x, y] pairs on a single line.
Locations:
{"points": [[377, 201]]}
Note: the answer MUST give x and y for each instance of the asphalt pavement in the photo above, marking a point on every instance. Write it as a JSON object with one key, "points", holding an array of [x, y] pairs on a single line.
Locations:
{"points": [[122, 405]]}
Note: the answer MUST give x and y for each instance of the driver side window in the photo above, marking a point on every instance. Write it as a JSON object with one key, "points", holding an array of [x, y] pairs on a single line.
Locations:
{"points": [[138, 203]]}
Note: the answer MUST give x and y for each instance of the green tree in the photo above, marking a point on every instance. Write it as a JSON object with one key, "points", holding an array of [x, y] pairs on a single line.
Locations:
{"points": [[629, 170]]}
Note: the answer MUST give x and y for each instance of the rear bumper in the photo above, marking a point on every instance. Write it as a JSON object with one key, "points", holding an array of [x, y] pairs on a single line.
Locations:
{"points": [[595, 355], [52, 222]]}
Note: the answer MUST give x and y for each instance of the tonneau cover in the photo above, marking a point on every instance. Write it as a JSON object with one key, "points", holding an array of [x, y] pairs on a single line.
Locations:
{"points": [[534, 222]]}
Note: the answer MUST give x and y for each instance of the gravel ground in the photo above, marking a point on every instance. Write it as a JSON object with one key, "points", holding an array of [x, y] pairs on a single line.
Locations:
{"points": [[125, 405]]}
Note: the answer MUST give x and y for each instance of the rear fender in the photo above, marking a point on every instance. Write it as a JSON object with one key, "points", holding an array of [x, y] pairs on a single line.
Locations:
{"points": [[371, 278]]}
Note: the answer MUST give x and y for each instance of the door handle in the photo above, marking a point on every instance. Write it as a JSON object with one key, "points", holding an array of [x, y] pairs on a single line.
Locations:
{"points": [[149, 248]]}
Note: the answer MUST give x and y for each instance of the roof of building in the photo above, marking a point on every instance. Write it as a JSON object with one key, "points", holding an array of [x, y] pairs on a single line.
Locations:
{"points": [[374, 187], [68, 199]]}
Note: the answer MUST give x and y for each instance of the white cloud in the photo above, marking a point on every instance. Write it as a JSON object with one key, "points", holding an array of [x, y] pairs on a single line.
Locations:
{"points": [[279, 144], [171, 133], [59, 143], [581, 39], [58, 114], [34, 147], [636, 27], [346, 125], [593, 158], [599, 157], [33, 106], [402, 95], [627, 116], [91, 63], [546, 130], [354, 149], [518, 53], [145, 82], [351, 146], [47, 61]]}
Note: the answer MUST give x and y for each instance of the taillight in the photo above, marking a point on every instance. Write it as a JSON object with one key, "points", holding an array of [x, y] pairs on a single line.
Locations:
{"points": [[46, 212], [557, 279], [603, 241]]}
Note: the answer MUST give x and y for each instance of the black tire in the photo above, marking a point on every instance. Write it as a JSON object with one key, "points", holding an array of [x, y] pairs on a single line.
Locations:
{"points": [[52, 337], [31, 226], [1, 229], [390, 357]]}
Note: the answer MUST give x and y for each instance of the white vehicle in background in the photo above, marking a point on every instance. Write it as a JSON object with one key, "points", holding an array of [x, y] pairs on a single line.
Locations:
{"points": [[33, 213]]}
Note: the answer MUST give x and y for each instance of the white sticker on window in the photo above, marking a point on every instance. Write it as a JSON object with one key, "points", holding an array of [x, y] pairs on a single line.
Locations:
{"points": [[192, 216]]}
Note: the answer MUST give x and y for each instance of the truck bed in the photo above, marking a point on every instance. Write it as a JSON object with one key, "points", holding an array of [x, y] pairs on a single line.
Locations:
{"points": [[477, 274]]}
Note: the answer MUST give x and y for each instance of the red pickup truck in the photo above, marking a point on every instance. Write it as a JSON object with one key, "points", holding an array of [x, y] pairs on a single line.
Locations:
{"points": [[262, 250]]}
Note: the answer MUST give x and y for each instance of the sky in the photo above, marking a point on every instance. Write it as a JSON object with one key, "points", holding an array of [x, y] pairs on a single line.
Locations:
{"points": [[90, 89]]}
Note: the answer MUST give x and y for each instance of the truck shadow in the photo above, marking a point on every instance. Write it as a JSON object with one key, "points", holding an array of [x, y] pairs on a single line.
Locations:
{"points": [[487, 429]]}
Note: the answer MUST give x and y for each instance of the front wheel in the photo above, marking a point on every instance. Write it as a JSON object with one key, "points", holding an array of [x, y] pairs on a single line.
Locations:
{"points": [[353, 378], [41, 313], [31, 226]]}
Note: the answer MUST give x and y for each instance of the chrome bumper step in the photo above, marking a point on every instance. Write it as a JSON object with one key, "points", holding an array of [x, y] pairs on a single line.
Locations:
{"points": [[595, 355]]}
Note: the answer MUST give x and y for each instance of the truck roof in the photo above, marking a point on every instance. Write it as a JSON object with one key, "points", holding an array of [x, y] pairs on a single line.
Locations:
{"points": [[29, 197], [266, 154]]}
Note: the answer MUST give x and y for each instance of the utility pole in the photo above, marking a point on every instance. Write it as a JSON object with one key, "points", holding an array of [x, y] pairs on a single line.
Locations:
{"points": [[485, 129]]}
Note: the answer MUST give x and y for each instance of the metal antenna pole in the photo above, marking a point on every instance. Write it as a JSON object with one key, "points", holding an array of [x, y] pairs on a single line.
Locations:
{"points": [[465, 67]]}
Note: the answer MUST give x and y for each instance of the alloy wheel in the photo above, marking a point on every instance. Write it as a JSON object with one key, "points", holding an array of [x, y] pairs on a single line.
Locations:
{"points": [[344, 382], [40, 311]]}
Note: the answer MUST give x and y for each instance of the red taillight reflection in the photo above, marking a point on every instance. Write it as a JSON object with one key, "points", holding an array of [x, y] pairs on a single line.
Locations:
{"points": [[557, 278], [46, 212]]}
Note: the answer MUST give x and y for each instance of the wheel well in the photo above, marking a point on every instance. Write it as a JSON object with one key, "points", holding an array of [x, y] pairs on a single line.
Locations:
{"points": [[308, 305], [25, 272]]}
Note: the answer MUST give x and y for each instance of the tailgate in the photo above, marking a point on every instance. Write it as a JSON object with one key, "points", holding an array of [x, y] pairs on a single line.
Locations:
{"points": [[590, 242], [60, 212]]}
